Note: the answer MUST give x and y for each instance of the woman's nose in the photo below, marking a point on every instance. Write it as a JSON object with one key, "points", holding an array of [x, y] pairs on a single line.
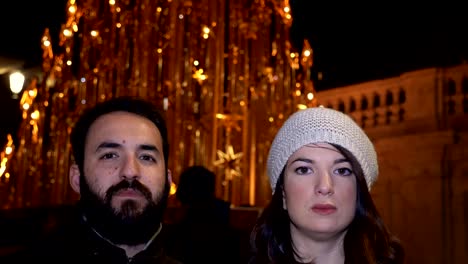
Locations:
{"points": [[325, 184]]}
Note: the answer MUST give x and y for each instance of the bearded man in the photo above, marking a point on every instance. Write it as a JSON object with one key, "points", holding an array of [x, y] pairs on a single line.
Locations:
{"points": [[120, 149]]}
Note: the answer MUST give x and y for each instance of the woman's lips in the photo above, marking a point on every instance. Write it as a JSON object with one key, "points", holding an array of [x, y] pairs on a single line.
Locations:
{"points": [[323, 209]]}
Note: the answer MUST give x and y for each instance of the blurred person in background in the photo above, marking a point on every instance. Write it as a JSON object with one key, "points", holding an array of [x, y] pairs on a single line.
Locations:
{"points": [[203, 235]]}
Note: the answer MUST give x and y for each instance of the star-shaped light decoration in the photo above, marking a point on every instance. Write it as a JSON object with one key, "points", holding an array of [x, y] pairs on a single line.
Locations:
{"points": [[229, 161], [229, 120]]}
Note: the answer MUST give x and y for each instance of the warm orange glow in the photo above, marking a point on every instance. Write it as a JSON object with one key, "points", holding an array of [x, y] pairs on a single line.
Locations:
{"points": [[217, 100], [72, 9], [67, 32], [5, 156]]}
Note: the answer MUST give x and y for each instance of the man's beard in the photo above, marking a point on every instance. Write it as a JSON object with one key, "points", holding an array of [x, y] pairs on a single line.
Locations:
{"points": [[129, 225]]}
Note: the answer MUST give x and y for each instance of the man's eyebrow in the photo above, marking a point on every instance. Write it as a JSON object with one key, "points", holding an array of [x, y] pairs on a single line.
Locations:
{"points": [[148, 147], [113, 145], [106, 144]]}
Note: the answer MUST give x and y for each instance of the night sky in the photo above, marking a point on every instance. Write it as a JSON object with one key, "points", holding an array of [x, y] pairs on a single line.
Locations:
{"points": [[352, 43], [356, 43], [23, 23]]}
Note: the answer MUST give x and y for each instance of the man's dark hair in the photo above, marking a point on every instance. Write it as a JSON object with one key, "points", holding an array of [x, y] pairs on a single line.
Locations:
{"points": [[134, 105]]}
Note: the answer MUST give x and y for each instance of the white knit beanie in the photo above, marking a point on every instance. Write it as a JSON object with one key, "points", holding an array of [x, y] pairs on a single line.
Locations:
{"points": [[321, 125]]}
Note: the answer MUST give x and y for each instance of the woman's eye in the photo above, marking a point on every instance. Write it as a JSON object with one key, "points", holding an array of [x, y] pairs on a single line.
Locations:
{"points": [[344, 171], [302, 170]]}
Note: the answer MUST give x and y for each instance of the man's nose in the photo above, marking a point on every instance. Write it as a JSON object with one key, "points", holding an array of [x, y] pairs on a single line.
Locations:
{"points": [[131, 169]]}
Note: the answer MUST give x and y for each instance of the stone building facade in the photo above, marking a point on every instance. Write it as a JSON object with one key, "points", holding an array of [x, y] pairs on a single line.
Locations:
{"points": [[419, 124]]}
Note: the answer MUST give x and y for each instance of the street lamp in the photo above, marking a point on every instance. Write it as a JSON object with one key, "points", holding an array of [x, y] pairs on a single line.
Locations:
{"points": [[16, 83]]}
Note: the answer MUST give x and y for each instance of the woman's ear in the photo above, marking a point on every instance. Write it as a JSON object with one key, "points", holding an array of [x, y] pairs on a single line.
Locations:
{"points": [[285, 207], [74, 178]]}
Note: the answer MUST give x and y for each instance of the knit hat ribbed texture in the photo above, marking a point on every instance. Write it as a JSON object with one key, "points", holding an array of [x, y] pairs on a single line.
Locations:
{"points": [[321, 125]]}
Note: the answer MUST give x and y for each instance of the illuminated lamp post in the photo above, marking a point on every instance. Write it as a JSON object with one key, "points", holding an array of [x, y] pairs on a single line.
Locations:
{"points": [[16, 83]]}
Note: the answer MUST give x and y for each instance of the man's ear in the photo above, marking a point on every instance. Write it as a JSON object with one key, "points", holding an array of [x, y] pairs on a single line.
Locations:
{"points": [[169, 177], [74, 178]]}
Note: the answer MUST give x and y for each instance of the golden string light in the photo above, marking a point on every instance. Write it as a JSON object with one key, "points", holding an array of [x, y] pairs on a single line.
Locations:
{"points": [[224, 72], [4, 157]]}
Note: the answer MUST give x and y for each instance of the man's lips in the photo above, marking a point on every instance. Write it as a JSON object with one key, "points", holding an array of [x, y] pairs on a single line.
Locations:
{"points": [[323, 209], [129, 193]]}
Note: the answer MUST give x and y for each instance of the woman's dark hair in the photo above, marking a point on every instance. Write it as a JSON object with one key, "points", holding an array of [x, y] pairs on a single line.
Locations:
{"points": [[368, 240], [128, 104]]}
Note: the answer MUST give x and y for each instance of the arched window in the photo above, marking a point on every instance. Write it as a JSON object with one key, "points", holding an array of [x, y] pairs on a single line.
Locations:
{"points": [[376, 102], [341, 106], [363, 121], [401, 96], [352, 105], [465, 85], [401, 115], [364, 103], [376, 119], [388, 98], [451, 88], [388, 117]]}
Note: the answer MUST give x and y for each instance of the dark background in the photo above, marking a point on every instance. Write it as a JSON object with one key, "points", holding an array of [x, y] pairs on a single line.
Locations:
{"points": [[22, 24], [359, 42], [352, 43]]}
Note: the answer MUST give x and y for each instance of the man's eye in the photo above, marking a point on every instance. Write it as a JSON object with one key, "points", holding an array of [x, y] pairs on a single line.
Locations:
{"points": [[148, 158], [108, 156]]}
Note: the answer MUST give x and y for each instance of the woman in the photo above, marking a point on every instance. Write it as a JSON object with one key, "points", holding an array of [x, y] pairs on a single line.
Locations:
{"points": [[321, 166]]}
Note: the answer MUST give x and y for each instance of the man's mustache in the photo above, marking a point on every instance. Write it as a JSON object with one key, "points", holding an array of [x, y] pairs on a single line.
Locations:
{"points": [[128, 184]]}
